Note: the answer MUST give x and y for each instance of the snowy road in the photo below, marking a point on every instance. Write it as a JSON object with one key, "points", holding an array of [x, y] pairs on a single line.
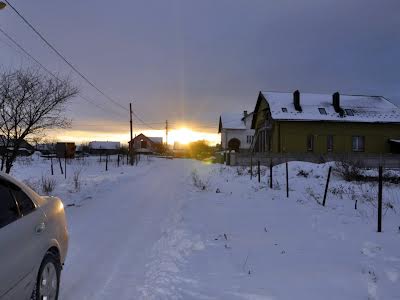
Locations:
{"points": [[183, 229], [112, 234]]}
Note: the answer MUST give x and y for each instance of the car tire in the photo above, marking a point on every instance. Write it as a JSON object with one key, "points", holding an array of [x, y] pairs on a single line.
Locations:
{"points": [[48, 279]]}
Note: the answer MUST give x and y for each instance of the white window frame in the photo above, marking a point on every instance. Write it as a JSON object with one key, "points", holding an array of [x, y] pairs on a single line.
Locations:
{"points": [[358, 143]]}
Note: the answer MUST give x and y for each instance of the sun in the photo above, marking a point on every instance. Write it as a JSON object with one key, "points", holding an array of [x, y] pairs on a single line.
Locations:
{"points": [[183, 135]]}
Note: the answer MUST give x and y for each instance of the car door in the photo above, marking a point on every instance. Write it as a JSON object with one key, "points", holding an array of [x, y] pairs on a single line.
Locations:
{"points": [[9, 214], [23, 244]]}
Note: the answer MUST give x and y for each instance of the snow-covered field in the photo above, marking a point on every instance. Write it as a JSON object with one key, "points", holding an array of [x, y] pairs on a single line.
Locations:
{"points": [[182, 229]]}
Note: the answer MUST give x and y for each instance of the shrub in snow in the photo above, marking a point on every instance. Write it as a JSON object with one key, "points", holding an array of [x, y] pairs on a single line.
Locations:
{"points": [[198, 182], [303, 173], [77, 179], [48, 184], [349, 170]]}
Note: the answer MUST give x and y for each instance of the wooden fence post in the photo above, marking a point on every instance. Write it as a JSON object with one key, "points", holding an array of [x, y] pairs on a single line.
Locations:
{"points": [[65, 165], [106, 162], [270, 173], [287, 180], [259, 171], [380, 192], [59, 161], [52, 169], [118, 161], [327, 185]]}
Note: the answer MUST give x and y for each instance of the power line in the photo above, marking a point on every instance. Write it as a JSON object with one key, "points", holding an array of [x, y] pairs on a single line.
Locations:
{"points": [[62, 56], [72, 66], [48, 71]]}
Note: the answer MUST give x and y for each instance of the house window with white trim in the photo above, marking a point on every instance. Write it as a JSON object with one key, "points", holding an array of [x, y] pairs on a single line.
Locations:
{"points": [[249, 139], [358, 143]]}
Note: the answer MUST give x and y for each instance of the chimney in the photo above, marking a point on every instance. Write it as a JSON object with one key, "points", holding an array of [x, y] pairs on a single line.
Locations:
{"points": [[296, 100], [336, 104], [245, 113], [336, 101]]}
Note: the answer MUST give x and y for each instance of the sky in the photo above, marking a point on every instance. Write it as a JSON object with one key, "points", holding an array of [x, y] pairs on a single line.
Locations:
{"points": [[188, 61]]}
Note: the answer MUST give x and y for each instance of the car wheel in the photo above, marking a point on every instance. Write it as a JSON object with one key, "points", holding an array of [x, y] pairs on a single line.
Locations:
{"points": [[48, 280]]}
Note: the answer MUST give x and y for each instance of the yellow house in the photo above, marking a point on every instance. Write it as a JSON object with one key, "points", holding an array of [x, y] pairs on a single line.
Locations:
{"points": [[323, 124]]}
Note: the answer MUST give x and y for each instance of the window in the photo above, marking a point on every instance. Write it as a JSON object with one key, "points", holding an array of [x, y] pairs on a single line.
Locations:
{"points": [[8, 207], [310, 143], [284, 109], [329, 143], [349, 112], [25, 204], [322, 111], [249, 139], [358, 143]]}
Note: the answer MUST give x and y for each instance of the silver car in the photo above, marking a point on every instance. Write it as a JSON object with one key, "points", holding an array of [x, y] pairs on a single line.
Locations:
{"points": [[33, 242]]}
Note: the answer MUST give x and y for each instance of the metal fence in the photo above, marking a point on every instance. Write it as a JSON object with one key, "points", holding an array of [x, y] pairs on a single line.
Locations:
{"points": [[367, 160]]}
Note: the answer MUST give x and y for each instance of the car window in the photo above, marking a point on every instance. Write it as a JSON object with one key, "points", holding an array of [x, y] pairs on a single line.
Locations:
{"points": [[24, 202], [8, 207]]}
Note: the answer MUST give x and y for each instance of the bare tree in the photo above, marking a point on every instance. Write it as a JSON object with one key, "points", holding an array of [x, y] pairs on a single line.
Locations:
{"points": [[30, 103]]}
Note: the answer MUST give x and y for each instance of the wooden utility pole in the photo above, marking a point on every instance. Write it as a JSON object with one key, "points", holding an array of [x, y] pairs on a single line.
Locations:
{"points": [[131, 141], [166, 133]]}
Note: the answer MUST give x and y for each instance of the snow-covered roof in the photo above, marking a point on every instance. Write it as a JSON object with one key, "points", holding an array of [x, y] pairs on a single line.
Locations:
{"points": [[232, 121], [357, 108], [156, 139], [104, 145]]}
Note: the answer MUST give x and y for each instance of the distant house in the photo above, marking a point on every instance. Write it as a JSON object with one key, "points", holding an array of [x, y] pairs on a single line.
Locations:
{"points": [[46, 149], [65, 150], [144, 144], [323, 124], [235, 130], [105, 148], [25, 149]]}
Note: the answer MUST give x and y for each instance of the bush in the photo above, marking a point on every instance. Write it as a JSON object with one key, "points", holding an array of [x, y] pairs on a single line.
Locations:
{"points": [[198, 182], [77, 179], [350, 170], [48, 185], [303, 173]]}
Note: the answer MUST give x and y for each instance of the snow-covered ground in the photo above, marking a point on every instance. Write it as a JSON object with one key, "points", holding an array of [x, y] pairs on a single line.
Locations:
{"points": [[182, 229]]}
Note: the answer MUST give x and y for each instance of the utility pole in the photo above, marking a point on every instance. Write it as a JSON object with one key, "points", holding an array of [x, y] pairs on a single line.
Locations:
{"points": [[166, 133], [131, 141]]}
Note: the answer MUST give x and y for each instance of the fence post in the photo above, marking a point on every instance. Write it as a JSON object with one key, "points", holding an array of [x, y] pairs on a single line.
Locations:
{"points": [[327, 185], [59, 161], [106, 162], [287, 180], [65, 165], [118, 161], [258, 171], [380, 192], [52, 170], [270, 173]]}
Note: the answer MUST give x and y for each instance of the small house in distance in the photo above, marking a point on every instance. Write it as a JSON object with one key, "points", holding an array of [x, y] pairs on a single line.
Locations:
{"points": [[144, 144], [65, 150], [236, 132], [104, 148], [325, 124], [7, 145]]}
